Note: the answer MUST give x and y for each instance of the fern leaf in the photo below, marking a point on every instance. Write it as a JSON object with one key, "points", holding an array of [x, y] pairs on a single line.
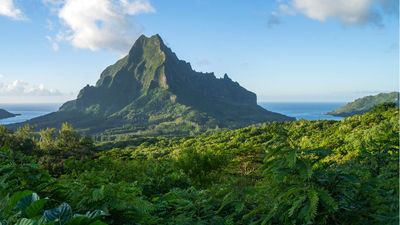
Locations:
{"points": [[306, 171], [289, 192], [314, 200], [296, 205], [327, 199], [292, 157]]}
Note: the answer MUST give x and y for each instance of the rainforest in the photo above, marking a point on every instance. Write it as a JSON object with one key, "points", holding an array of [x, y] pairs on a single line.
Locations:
{"points": [[293, 172]]}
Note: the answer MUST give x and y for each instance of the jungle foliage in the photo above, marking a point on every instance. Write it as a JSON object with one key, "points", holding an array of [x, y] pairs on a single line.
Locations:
{"points": [[302, 172]]}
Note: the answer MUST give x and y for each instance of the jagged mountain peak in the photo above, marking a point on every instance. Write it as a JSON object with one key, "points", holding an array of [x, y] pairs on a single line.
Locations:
{"points": [[153, 46], [152, 65], [145, 61], [155, 39], [151, 87]]}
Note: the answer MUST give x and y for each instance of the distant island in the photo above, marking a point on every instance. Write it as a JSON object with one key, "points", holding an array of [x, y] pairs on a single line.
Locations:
{"points": [[151, 92], [365, 104], [4, 114]]}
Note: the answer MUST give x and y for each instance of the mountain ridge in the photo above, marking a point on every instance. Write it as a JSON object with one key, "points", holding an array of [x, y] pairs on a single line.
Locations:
{"points": [[151, 88], [365, 104]]}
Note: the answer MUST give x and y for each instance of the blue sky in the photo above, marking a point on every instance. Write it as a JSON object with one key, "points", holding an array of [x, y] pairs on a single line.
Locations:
{"points": [[283, 50]]}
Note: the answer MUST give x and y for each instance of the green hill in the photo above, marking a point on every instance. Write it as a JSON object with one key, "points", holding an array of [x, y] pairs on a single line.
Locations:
{"points": [[5, 114], [151, 92], [365, 104]]}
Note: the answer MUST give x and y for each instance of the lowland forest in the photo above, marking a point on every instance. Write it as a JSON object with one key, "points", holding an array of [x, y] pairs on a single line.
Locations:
{"points": [[298, 172]]}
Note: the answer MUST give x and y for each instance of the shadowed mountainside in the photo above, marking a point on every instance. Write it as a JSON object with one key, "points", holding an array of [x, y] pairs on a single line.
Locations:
{"points": [[151, 92]]}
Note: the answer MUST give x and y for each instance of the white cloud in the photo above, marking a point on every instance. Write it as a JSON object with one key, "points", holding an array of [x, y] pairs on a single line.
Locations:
{"points": [[99, 24], [16, 87], [54, 45], [349, 12], [7, 8], [136, 7], [41, 90], [54, 6], [22, 88], [286, 9]]}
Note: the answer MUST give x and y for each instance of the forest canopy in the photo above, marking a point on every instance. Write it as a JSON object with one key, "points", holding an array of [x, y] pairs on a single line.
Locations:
{"points": [[301, 172]]}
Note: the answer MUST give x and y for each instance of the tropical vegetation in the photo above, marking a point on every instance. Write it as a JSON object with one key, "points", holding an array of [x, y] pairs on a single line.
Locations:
{"points": [[300, 172]]}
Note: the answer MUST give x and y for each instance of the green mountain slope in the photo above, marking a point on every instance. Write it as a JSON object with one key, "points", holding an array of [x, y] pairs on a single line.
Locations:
{"points": [[365, 104], [151, 92], [5, 114]]}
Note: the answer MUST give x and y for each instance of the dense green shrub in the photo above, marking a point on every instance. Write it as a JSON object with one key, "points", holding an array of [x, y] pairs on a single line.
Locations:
{"points": [[202, 167]]}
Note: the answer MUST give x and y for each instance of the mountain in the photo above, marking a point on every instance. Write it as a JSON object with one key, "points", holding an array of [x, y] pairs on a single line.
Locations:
{"points": [[365, 104], [5, 114], [151, 92]]}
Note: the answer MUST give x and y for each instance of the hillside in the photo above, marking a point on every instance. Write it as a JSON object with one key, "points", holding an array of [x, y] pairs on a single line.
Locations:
{"points": [[362, 105], [302, 172], [151, 92], [5, 114]]}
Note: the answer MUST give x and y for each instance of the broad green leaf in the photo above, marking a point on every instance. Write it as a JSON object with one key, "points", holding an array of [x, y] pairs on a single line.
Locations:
{"points": [[35, 208], [38, 220], [63, 213], [27, 201], [95, 214], [25, 221], [15, 198]]}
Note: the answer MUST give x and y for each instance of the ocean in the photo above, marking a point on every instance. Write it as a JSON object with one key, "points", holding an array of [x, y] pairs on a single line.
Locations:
{"points": [[304, 110], [27, 111], [307, 111]]}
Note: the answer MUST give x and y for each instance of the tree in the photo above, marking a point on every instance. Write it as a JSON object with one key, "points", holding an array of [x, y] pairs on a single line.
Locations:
{"points": [[67, 137], [47, 139]]}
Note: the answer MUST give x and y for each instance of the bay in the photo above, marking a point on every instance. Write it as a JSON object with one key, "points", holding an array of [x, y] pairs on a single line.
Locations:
{"points": [[299, 110], [27, 111], [304, 110]]}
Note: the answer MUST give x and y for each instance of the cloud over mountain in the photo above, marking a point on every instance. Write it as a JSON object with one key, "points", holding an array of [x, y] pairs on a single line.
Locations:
{"points": [[100, 24]]}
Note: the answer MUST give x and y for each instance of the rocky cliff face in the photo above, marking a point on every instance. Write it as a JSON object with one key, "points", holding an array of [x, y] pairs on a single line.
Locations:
{"points": [[151, 88], [152, 65]]}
